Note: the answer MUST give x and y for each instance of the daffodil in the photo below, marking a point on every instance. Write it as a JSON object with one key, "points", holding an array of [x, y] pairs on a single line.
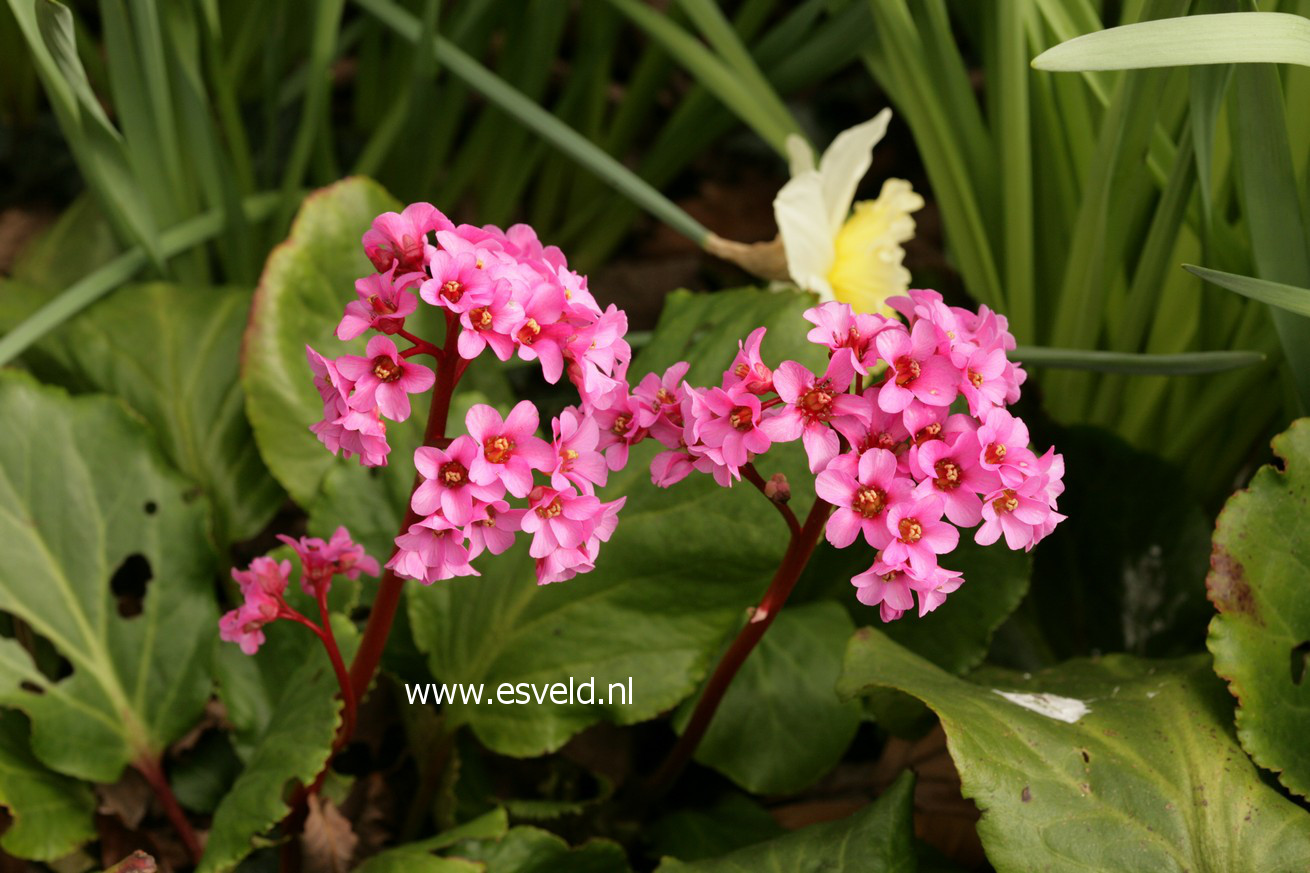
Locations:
{"points": [[852, 255]]}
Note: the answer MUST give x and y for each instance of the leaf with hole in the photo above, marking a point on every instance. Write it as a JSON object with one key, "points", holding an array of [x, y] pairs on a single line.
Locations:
{"points": [[89, 503]]}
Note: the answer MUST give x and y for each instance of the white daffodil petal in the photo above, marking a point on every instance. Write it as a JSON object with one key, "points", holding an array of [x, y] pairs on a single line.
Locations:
{"points": [[844, 164], [800, 157], [803, 226]]}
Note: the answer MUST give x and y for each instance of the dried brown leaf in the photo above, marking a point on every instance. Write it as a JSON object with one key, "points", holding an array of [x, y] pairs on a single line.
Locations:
{"points": [[328, 842]]}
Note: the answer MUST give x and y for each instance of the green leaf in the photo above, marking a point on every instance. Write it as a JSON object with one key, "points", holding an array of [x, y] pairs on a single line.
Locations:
{"points": [[733, 822], [85, 495], [1224, 38], [682, 566], [305, 287], [1257, 583], [1111, 764], [877, 839], [171, 352], [530, 850], [295, 746], [1183, 364], [52, 814], [1287, 297], [783, 699]]}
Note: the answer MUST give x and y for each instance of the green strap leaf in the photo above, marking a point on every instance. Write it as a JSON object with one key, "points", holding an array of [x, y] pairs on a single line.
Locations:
{"points": [[1117, 763], [1258, 568], [1287, 297], [1223, 38], [85, 495], [1187, 363]]}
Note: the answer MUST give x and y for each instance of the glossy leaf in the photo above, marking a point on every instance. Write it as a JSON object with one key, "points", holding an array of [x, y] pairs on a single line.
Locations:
{"points": [[1111, 764], [1224, 38], [877, 839], [172, 353], [87, 496], [306, 285], [294, 746], [1274, 293], [1258, 570], [784, 700], [52, 814]]}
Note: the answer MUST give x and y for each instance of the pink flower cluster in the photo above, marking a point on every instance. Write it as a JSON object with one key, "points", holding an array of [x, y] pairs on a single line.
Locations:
{"points": [[503, 291], [906, 431], [264, 584]]}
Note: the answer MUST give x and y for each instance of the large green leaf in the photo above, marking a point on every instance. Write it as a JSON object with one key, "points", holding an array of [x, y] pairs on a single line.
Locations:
{"points": [[1223, 38], [52, 814], [1111, 764], [783, 698], [306, 285], [294, 746], [681, 568], [878, 839], [1259, 568], [171, 352], [85, 492]]}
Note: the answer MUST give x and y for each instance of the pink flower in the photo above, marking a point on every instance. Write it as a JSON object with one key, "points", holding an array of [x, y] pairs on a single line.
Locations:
{"points": [[245, 624], [982, 380], [933, 589], [320, 561], [841, 329], [539, 332], [493, 527], [1021, 513], [748, 369], [458, 283], [446, 486], [384, 379], [559, 520], [671, 467], [382, 304], [432, 550], [881, 430], [620, 428], [885, 587], [727, 423], [598, 354], [915, 371], [1004, 442], [950, 469], [918, 534], [264, 576], [489, 324], [508, 449], [403, 239], [660, 407], [862, 490], [812, 404], [577, 461]]}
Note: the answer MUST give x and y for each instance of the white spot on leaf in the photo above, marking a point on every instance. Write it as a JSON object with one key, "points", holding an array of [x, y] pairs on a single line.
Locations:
{"points": [[1065, 709]]}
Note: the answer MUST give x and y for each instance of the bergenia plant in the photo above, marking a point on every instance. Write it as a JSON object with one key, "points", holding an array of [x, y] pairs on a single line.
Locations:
{"points": [[500, 291], [907, 434]]}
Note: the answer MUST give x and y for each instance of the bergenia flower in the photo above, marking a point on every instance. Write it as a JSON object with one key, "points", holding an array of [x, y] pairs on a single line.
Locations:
{"points": [[446, 486], [863, 490], [402, 239], [384, 379], [559, 520], [457, 282], [727, 423], [493, 527], [1023, 514], [814, 405], [915, 371], [383, 304], [1004, 442], [263, 576], [577, 462], [321, 560], [918, 534], [431, 550], [854, 259], [951, 470], [508, 449]]}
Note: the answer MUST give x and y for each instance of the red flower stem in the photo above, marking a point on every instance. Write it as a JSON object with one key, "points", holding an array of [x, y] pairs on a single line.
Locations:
{"points": [[751, 475], [799, 549], [153, 771], [348, 698], [369, 655]]}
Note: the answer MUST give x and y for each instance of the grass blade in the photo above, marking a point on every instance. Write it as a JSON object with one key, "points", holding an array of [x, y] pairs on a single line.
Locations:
{"points": [[1287, 297], [1186, 364]]}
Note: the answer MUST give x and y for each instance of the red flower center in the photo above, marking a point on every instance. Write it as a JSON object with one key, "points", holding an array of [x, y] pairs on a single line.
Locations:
{"points": [[975, 378], [529, 332], [453, 474], [995, 453], [948, 475], [869, 502], [380, 306], [498, 449], [452, 291], [664, 397], [1007, 502], [386, 369], [817, 401], [742, 418], [550, 510], [481, 318], [910, 530], [931, 432], [907, 370], [621, 423]]}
